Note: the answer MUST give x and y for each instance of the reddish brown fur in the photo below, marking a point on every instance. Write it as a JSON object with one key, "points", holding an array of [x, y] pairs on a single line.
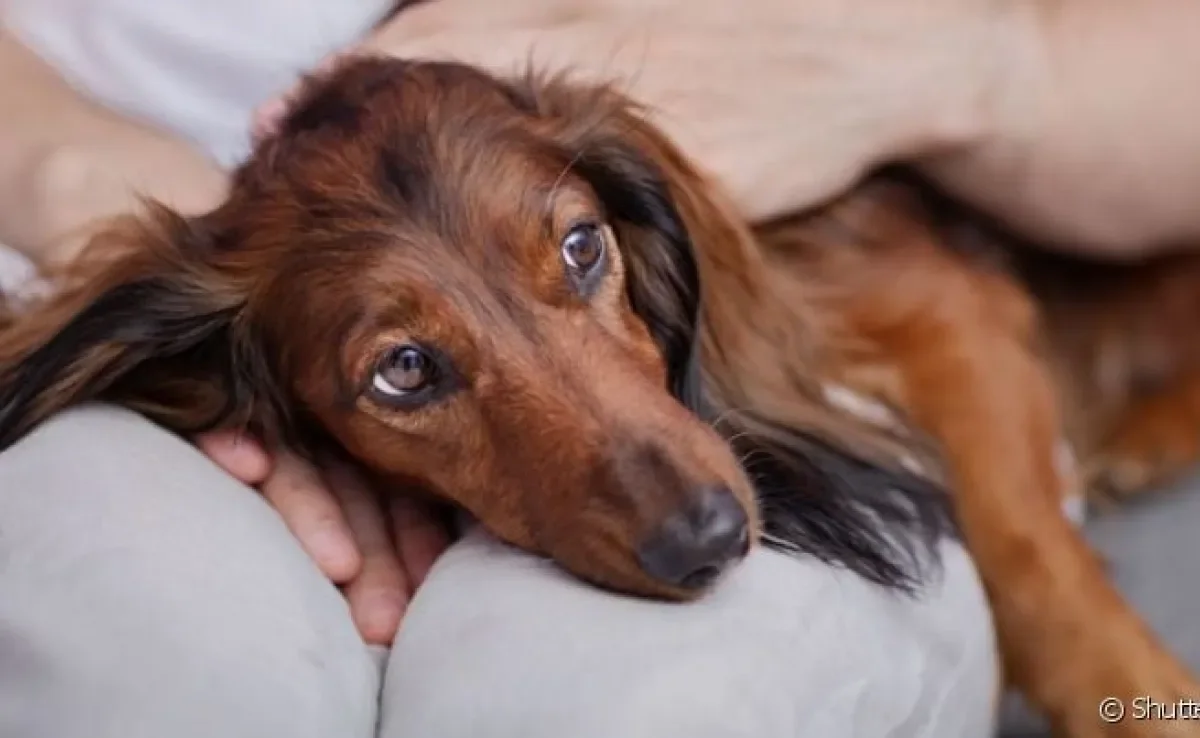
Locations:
{"points": [[971, 356], [567, 443]]}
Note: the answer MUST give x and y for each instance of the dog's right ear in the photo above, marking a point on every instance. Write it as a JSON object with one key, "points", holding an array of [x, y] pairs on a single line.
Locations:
{"points": [[146, 319]]}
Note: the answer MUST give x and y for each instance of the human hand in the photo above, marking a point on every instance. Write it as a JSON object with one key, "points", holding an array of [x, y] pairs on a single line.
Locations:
{"points": [[786, 103], [377, 558]]}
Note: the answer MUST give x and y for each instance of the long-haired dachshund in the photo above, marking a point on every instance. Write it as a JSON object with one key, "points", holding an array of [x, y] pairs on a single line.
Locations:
{"points": [[520, 298]]}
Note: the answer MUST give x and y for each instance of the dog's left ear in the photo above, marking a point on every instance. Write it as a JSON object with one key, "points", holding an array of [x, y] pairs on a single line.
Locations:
{"points": [[665, 213], [146, 319], [661, 274]]}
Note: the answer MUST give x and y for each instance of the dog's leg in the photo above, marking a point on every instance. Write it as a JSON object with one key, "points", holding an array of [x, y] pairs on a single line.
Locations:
{"points": [[1153, 443], [961, 340], [1069, 640]]}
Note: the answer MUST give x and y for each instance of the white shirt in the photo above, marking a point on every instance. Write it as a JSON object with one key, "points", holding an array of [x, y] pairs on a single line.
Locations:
{"points": [[197, 68]]}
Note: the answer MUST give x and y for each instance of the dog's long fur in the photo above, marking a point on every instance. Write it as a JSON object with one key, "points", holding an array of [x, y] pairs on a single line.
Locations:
{"points": [[881, 374]]}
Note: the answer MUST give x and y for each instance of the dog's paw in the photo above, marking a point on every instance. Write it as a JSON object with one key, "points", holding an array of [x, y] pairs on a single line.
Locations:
{"points": [[1156, 444]]}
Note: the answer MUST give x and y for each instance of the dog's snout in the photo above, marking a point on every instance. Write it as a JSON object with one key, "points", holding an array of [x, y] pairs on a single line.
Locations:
{"points": [[694, 545]]}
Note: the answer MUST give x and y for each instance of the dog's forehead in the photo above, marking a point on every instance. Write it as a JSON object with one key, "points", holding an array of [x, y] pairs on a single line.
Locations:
{"points": [[425, 121], [436, 143], [358, 94], [428, 184], [441, 157]]}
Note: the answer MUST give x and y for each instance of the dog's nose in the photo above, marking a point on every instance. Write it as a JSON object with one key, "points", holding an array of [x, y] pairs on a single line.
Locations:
{"points": [[693, 546]]}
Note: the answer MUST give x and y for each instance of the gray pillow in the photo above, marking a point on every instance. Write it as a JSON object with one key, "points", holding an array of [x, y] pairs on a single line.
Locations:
{"points": [[505, 645]]}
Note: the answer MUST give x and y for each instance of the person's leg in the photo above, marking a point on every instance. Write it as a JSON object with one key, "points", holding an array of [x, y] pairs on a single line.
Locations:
{"points": [[143, 593], [504, 645]]}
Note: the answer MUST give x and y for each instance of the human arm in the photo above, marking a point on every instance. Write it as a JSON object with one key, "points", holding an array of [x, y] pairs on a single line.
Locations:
{"points": [[1098, 147], [67, 164], [1070, 120]]}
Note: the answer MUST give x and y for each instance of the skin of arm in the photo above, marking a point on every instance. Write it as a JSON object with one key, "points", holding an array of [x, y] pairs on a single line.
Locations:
{"points": [[1097, 146], [1072, 121], [67, 164]]}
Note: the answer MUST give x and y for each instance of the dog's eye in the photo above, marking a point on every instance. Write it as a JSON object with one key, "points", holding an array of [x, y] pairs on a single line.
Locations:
{"points": [[404, 371], [583, 248]]}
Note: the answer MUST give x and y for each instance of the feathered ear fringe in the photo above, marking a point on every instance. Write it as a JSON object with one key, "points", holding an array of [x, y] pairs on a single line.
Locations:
{"points": [[146, 320], [883, 524]]}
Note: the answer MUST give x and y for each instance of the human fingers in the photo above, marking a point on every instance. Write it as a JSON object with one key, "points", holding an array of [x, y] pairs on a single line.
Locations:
{"points": [[311, 510], [379, 594], [421, 536], [241, 456]]}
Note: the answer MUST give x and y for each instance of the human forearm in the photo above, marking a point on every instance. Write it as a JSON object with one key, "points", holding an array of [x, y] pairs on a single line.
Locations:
{"points": [[1098, 145], [1072, 120], [67, 164], [786, 103]]}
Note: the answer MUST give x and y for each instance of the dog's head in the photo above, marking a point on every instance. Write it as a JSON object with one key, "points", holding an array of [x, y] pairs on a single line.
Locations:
{"points": [[489, 291], [483, 289]]}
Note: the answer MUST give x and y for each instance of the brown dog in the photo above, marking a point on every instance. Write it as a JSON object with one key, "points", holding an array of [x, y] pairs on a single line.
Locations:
{"points": [[520, 298]]}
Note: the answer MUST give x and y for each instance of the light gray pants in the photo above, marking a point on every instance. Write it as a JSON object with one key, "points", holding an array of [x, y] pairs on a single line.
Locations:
{"points": [[143, 593]]}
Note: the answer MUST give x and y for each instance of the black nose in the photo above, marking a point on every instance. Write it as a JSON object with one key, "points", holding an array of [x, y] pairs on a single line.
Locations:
{"points": [[694, 545]]}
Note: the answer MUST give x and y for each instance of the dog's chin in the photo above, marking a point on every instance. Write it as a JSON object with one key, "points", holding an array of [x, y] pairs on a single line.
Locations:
{"points": [[638, 585], [651, 591], [703, 585]]}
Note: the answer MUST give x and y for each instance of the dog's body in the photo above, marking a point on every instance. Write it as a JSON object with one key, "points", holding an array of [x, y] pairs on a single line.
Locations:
{"points": [[522, 299], [1017, 363]]}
